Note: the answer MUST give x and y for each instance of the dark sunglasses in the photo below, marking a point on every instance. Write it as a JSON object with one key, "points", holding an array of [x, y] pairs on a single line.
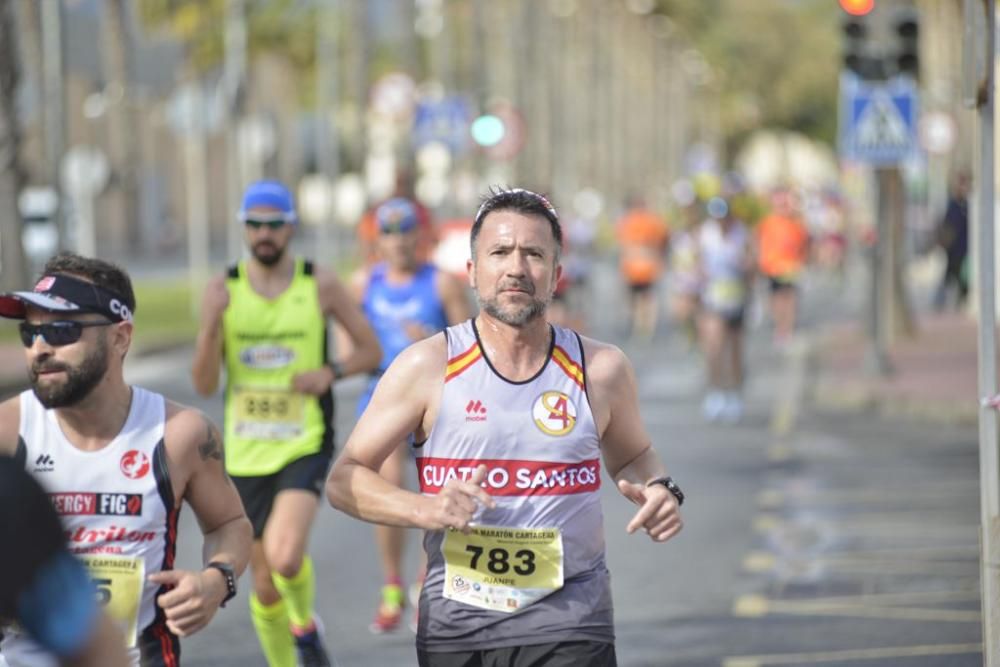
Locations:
{"points": [[395, 228], [273, 225], [56, 334]]}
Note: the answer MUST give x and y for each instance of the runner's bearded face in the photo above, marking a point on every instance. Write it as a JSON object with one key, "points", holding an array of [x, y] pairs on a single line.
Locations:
{"points": [[62, 376], [515, 271], [268, 234]]}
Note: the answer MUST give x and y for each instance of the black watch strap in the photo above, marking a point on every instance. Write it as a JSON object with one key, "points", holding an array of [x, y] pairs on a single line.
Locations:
{"points": [[671, 486], [227, 572], [337, 368]]}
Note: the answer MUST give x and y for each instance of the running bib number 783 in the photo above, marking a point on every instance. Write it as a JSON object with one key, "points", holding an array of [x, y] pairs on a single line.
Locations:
{"points": [[502, 568]]}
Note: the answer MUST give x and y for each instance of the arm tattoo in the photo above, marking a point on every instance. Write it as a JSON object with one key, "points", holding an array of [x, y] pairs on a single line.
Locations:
{"points": [[211, 448]]}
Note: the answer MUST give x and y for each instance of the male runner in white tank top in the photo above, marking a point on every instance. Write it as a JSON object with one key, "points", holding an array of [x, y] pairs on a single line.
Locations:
{"points": [[511, 419], [117, 462]]}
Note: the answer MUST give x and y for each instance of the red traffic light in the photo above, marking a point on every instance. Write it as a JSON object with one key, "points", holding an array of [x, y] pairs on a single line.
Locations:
{"points": [[857, 7]]}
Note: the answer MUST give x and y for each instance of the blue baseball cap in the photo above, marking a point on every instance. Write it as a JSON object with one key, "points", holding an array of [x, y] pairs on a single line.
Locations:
{"points": [[271, 194], [397, 214]]}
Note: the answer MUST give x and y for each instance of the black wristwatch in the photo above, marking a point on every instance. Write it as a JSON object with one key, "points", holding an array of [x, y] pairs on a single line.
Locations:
{"points": [[337, 368], [227, 573], [671, 487]]}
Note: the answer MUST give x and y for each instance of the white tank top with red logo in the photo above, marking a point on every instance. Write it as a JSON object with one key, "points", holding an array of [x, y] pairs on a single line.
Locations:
{"points": [[535, 571], [117, 510]]}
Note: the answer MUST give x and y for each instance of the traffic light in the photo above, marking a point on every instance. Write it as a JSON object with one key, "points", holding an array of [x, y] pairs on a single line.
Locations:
{"points": [[488, 130], [906, 32], [857, 7], [858, 55]]}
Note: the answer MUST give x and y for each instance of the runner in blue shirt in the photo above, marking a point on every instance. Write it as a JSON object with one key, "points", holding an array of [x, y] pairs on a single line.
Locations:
{"points": [[405, 300]]}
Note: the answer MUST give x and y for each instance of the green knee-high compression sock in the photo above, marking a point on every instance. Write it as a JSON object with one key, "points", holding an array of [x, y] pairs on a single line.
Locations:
{"points": [[271, 623], [299, 594]]}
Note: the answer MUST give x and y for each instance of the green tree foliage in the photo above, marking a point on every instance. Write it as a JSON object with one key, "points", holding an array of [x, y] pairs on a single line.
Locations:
{"points": [[776, 62], [286, 27]]}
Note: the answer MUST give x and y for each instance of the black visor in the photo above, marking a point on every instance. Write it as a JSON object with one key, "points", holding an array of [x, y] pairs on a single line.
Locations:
{"points": [[61, 293]]}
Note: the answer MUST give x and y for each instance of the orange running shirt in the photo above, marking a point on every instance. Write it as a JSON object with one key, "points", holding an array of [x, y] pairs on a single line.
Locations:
{"points": [[782, 244], [642, 236]]}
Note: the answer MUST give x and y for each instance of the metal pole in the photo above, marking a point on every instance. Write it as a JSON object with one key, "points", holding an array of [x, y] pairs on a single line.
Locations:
{"points": [[989, 460], [876, 356]]}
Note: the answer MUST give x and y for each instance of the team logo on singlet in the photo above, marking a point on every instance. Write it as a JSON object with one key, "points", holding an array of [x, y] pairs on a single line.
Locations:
{"points": [[134, 464], [554, 413]]}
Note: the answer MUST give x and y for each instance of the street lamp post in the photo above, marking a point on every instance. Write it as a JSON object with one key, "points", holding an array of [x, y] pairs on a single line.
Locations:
{"points": [[989, 458]]}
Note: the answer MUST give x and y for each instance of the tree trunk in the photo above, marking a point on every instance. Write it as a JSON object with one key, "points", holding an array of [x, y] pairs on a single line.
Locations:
{"points": [[125, 144], [13, 270]]}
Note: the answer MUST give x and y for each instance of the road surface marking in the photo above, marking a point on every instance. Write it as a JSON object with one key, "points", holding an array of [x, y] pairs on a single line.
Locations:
{"points": [[851, 654]]}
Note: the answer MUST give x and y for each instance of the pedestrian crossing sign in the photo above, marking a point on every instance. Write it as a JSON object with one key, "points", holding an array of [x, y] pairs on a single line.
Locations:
{"points": [[878, 121]]}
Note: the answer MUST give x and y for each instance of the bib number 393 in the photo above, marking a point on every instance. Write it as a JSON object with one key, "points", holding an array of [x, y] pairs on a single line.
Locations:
{"points": [[502, 568], [119, 584]]}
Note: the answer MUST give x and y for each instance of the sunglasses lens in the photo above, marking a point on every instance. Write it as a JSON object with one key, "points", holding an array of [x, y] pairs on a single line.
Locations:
{"points": [[27, 334], [274, 225], [63, 333], [396, 228]]}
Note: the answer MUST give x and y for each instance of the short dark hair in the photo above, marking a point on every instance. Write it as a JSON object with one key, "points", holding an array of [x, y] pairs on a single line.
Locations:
{"points": [[521, 201], [105, 274]]}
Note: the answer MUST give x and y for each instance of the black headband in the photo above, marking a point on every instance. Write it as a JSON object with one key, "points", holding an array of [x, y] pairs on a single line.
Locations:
{"points": [[61, 293]]}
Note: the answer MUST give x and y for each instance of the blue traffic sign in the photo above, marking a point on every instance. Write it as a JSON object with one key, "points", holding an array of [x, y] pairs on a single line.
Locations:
{"points": [[878, 121], [445, 121]]}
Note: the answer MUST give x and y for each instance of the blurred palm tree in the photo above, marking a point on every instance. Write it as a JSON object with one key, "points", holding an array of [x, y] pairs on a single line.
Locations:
{"points": [[126, 158], [13, 269]]}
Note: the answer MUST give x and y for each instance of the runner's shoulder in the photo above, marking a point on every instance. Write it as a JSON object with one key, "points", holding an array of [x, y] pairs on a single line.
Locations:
{"points": [[187, 429], [424, 360], [605, 362]]}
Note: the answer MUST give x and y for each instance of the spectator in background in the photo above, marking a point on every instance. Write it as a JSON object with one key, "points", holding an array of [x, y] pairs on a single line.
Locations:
{"points": [[953, 237], [642, 240], [782, 249]]}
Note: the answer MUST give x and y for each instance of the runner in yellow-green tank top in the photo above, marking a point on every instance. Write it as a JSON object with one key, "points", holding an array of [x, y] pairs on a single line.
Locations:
{"points": [[267, 341], [266, 320]]}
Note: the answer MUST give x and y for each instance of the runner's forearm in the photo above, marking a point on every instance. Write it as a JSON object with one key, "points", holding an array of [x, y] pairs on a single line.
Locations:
{"points": [[642, 469], [229, 543], [360, 360], [207, 360], [364, 494]]}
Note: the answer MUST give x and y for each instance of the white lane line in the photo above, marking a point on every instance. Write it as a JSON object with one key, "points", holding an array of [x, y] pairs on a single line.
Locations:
{"points": [[852, 654]]}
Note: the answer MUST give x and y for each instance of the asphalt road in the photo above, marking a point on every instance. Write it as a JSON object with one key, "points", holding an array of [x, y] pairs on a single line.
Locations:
{"points": [[848, 541]]}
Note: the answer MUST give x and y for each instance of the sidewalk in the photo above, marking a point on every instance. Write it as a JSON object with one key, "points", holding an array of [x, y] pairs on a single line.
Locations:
{"points": [[932, 378]]}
